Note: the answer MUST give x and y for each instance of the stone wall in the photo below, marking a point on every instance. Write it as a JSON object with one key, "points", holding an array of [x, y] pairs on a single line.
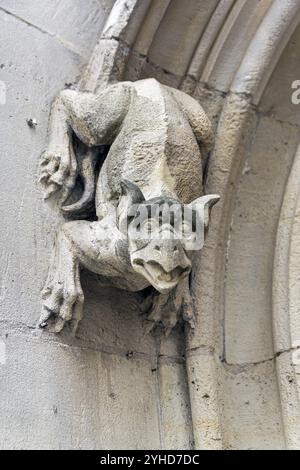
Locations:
{"points": [[232, 383], [111, 386]]}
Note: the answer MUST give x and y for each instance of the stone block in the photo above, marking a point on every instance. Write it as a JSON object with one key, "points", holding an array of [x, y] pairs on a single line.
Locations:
{"points": [[54, 396]]}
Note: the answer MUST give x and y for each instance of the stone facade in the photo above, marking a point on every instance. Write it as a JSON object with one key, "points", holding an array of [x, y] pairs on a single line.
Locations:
{"points": [[233, 381]]}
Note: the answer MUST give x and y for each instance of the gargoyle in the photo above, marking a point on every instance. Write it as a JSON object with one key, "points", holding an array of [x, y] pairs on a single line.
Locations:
{"points": [[158, 140]]}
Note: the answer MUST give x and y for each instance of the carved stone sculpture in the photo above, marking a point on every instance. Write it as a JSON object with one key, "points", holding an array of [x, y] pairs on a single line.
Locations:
{"points": [[159, 139]]}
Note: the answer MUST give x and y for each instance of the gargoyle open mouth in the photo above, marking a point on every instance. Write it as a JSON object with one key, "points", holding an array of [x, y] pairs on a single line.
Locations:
{"points": [[161, 279]]}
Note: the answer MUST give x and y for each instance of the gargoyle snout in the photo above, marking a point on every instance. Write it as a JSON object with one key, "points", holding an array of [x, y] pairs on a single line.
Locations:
{"points": [[169, 254], [163, 263]]}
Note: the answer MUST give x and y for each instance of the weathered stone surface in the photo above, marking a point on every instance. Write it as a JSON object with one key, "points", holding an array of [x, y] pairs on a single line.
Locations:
{"points": [[277, 99], [71, 393], [233, 137], [159, 138], [113, 320], [251, 413], [155, 13], [176, 426], [232, 43], [263, 53], [180, 29], [56, 387], [109, 57], [205, 399], [248, 317], [62, 397], [285, 297], [28, 232], [139, 67], [212, 101], [75, 26], [288, 380], [125, 20]]}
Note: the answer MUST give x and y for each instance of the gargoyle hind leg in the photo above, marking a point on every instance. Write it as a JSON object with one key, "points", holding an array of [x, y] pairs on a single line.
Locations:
{"points": [[58, 162], [94, 120], [77, 244]]}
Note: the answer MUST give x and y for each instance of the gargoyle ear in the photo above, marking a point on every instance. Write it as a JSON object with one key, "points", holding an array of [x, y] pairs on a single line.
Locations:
{"points": [[132, 192], [203, 205], [130, 195]]}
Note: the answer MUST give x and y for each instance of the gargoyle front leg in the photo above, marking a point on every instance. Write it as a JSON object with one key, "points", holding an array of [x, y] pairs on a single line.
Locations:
{"points": [[168, 309], [63, 296], [91, 245]]}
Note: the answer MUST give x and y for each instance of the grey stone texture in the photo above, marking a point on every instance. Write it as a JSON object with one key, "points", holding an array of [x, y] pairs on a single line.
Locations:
{"points": [[105, 388], [159, 139], [232, 382]]}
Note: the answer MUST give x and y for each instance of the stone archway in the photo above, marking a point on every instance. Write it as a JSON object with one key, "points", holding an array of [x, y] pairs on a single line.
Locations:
{"points": [[230, 55]]}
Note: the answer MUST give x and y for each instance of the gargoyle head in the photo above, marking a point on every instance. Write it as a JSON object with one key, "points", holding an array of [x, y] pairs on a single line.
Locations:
{"points": [[162, 234]]}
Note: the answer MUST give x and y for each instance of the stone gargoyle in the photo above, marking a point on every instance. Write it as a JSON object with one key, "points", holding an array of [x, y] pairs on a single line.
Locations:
{"points": [[158, 139]]}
